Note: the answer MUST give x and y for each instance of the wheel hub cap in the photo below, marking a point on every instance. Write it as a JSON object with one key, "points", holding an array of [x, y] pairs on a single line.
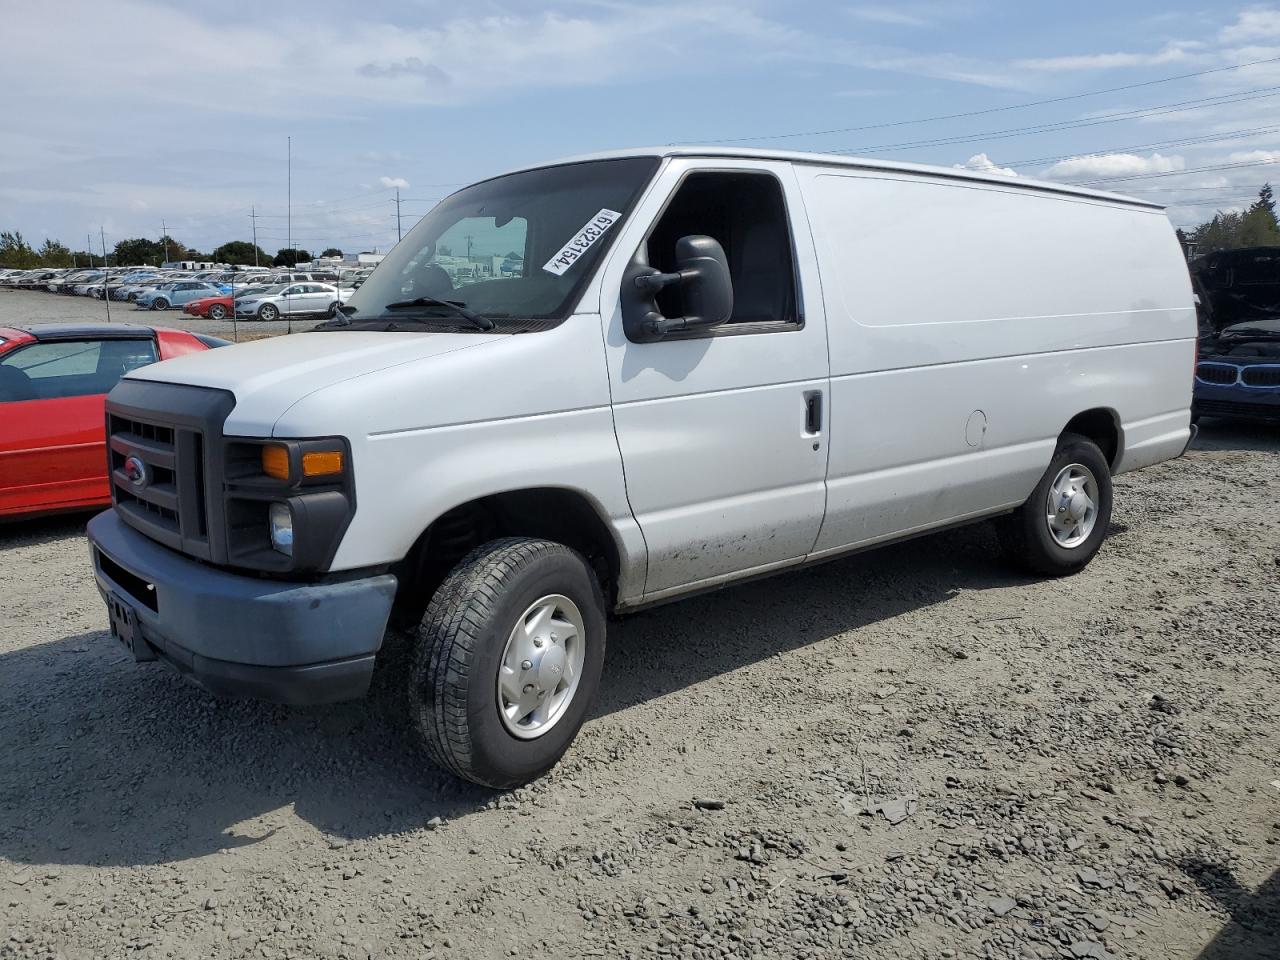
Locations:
{"points": [[1072, 508], [541, 666]]}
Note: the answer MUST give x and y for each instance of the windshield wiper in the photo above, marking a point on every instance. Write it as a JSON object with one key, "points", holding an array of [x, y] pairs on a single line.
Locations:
{"points": [[455, 307]]}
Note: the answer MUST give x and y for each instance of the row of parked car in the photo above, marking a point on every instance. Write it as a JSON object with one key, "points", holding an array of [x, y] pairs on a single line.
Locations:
{"points": [[217, 294]]}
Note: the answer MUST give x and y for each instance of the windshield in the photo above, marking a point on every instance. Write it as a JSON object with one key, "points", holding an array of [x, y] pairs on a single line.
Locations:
{"points": [[519, 246]]}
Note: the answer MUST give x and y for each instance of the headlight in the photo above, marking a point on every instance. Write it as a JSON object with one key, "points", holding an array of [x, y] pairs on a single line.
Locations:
{"points": [[280, 519], [287, 502]]}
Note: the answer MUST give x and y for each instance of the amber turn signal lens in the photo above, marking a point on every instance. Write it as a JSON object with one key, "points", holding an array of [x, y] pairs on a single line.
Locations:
{"points": [[321, 463], [275, 461]]}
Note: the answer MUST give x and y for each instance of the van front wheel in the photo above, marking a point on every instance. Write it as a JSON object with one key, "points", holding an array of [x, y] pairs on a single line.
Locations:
{"points": [[1062, 525], [507, 660]]}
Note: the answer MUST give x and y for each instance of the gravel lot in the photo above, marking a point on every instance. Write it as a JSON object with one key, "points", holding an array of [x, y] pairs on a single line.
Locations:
{"points": [[1080, 768]]}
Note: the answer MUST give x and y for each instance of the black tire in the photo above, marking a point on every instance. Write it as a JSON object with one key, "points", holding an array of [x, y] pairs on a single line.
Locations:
{"points": [[333, 309], [217, 312], [1025, 534], [160, 303], [268, 312], [458, 648]]}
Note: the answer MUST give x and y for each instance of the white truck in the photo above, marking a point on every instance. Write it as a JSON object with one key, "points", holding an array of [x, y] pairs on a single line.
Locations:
{"points": [[706, 365]]}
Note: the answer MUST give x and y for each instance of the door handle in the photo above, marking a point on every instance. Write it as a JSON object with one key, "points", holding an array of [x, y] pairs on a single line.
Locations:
{"points": [[813, 412]]}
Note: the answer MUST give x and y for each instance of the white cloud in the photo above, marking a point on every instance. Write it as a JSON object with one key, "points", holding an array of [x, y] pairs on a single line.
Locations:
{"points": [[1114, 165], [390, 182], [1253, 156], [1177, 52], [981, 163], [915, 15], [1252, 24]]}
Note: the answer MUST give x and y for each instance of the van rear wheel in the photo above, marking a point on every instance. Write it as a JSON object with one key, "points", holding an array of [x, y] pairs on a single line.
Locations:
{"points": [[1064, 521], [507, 660]]}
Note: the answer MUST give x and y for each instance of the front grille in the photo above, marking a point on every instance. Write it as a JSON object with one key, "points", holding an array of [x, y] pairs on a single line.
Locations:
{"points": [[174, 430], [1262, 375], [1221, 373], [156, 506]]}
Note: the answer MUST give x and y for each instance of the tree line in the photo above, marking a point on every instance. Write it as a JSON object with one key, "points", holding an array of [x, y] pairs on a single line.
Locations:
{"points": [[17, 253], [1254, 227]]}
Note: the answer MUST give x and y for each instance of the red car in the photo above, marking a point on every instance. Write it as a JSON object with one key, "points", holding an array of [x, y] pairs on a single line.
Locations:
{"points": [[53, 380], [218, 308]]}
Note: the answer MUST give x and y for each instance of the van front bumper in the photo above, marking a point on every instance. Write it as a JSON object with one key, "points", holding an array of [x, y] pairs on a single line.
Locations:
{"points": [[236, 635]]}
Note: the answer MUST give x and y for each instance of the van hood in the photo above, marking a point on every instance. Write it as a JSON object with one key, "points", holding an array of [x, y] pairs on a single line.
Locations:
{"points": [[269, 376]]}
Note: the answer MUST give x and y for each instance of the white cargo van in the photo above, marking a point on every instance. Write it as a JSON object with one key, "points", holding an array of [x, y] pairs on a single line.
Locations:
{"points": [[698, 365]]}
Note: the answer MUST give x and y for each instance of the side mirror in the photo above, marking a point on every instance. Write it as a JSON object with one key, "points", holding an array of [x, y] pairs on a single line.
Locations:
{"points": [[703, 277]]}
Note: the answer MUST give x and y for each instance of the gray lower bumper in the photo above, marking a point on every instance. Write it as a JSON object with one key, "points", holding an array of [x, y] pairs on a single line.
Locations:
{"points": [[239, 635]]}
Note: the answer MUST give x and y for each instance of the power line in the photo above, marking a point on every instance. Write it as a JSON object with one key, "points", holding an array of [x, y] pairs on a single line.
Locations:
{"points": [[1179, 173], [1180, 106], [990, 110], [1184, 142]]}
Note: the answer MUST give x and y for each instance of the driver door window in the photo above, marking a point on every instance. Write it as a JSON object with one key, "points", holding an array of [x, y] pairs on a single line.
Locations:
{"points": [[746, 213]]}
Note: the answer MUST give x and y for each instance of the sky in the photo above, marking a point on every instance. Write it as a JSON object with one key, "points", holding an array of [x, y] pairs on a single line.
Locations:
{"points": [[120, 117]]}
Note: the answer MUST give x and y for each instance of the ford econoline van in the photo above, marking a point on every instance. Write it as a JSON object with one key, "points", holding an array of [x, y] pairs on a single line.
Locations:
{"points": [[598, 384]]}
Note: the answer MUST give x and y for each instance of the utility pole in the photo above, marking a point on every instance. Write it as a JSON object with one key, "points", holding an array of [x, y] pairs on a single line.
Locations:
{"points": [[398, 215], [469, 238], [290, 204], [293, 255], [253, 215], [88, 245], [106, 277], [164, 236]]}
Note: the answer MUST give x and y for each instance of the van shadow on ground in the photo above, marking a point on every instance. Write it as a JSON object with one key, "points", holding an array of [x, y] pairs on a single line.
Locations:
{"points": [[109, 762], [1253, 931]]}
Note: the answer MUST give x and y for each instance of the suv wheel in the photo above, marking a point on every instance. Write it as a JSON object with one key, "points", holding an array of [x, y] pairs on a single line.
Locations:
{"points": [[1063, 523], [507, 660]]}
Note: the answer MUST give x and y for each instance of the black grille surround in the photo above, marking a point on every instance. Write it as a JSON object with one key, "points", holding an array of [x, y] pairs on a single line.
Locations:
{"points": [[1209, 371], [1260, 375], [176, 431], [204, 494]]}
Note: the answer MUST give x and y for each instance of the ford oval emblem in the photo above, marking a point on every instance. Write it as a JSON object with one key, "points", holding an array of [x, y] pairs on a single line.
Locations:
{"points": [[135, 471]]}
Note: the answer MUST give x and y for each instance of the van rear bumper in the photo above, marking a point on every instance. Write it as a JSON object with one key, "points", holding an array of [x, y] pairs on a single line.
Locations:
{"points": [[235, 635]]}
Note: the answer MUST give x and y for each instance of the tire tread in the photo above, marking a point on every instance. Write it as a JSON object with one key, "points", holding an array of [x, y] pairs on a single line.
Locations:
{"points": [[448, 639]]}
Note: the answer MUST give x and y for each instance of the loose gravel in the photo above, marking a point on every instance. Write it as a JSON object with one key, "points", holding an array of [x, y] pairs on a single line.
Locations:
{"points": [[910, 753]]}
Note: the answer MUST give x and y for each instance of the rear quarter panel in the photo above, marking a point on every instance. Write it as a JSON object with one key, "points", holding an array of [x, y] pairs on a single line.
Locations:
{"points": [[969, 322]]}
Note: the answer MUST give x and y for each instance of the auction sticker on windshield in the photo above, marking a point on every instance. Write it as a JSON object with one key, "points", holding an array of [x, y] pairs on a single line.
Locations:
{"points": [[582, 241]]}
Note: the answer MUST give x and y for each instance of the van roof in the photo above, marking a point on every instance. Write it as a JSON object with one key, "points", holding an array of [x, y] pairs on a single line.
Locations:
{"points": [[858, 163]]}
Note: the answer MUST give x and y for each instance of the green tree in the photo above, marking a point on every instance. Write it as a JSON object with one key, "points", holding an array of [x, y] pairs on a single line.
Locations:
{"points": [[289, 258], [1266, 200], [1254, 227], [55, 254], [15, 252], [241, 251], [1259, 227], [332, 252], [139, 250]]}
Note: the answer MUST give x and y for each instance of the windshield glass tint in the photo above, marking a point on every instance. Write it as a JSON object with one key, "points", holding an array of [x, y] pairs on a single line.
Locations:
{"points": [[515, 246]]}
